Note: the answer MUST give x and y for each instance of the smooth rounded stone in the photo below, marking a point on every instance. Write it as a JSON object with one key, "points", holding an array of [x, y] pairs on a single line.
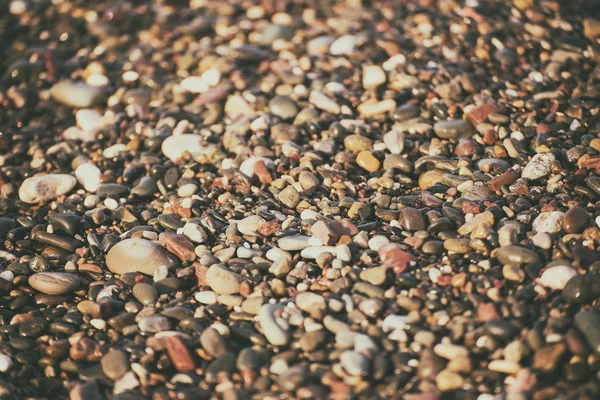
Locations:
{"points": [[319, 46], [54, 283], [194, 84], [411, 219], [504, 366], [542, 240], [394, 141], [115, 364], [396, 161], [430, 178], [513, 273], [77, 94], [312, 303], [88, 120], [5, 363], [457, 128], [43, 188], [249, 164], [137, 255], [112, 190], [222, 280], [154, 323], [588, 323], [517, 255], [375, 276], [250, 224], [176, 147], [576, 220], [357, 143], [146, 187], [448, 381], [213, 343], [283, 107], [88, 176], [187, 190], [477, 193], [344, 45], [195, 232], [308, 180], [354, 363], [289, 197], [69, 223], [274, 254], [539, 166], [582, 289], [280, 267], [556, 277], [450, 351], [274, 330], [206, 297], [377, 241], [460, 246], [549, 222], [373, 76], [318, 99], [294, 243], [367, 161], [311, 253], [145, 293]]}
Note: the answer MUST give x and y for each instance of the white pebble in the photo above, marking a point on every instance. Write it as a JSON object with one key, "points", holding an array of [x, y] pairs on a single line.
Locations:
{"points": [[5, 363]]}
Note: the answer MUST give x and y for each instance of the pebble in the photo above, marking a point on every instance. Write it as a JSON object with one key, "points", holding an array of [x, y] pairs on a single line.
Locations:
{"points": [[539, 166], [453, 129], [367, 161], [556, 277], [54, 283], [77, 94], [549, 222], [43, 188], [5, 363], [274, 330], [222, 280], [115, 364], [516, 255], [88, 175], [354, 363], [289, 197], [576, 220], [250, 225], [154, 323], [137, 255], [145, 293], [176, 148]]}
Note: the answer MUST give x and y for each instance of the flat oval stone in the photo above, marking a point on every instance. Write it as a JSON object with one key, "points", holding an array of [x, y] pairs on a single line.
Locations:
{"points": [[517, 255], [457, 128], [54, 283], [77, 94], [137, 255], [175, 147], [41, 189]]}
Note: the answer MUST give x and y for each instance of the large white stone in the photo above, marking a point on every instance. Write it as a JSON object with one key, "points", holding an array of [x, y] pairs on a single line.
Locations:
{"points": [[43, 188]]}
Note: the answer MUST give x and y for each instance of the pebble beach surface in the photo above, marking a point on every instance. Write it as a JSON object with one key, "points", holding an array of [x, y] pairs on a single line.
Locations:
{"points": [[300, 200]]}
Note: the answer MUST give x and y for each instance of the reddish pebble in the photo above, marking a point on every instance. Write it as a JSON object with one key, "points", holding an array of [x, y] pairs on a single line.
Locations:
{"points": [[392, 255], [324, 233], [260, 169], [179, 355]]}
